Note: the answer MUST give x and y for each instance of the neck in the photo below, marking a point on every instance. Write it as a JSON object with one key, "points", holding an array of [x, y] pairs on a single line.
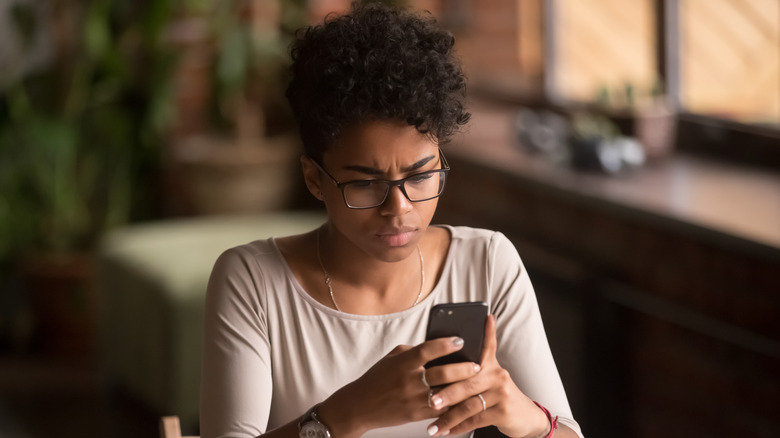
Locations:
{"points": [[365, 285]]}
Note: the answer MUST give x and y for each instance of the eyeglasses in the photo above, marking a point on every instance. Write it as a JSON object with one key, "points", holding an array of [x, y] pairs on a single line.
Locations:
{"points": [[370, 193]]}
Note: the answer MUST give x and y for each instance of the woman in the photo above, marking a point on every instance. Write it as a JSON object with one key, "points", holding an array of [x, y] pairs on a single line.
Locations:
{"points": [[322, 333]]}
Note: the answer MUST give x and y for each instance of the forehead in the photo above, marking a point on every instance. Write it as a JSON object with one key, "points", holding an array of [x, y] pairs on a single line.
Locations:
{"points": [[379, 142]]}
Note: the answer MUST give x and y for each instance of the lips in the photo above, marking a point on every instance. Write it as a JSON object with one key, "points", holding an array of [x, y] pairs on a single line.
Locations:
{"points": [[397, 236]]}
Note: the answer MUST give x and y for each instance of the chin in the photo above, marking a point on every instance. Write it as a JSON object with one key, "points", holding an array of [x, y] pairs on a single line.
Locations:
{"points": [[396, 253]]}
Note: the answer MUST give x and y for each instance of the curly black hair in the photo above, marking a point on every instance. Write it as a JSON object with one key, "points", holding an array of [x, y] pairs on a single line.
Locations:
{"points": [[375, 63]]}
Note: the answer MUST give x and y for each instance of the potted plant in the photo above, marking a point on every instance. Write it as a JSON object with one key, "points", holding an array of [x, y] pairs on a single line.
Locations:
{"points": [[244, 160], [646, 116], [78, 140], [596, 143]]}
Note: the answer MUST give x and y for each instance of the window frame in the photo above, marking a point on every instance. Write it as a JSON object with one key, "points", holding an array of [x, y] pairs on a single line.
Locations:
{"points": [[697, 133]]}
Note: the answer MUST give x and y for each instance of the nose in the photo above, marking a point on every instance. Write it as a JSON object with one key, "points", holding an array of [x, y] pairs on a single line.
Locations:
{"points": [[396, 203]]}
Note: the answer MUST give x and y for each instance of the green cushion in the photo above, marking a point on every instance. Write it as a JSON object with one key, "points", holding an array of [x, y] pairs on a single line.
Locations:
{"points": [[152, 282]]}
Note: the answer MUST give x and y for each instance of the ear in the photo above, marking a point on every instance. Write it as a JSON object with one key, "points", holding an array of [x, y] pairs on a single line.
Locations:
{"points": [[312, 177]]}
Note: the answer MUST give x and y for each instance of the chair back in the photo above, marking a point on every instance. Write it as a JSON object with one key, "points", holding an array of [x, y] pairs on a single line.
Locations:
{"points": [[170, 427]]}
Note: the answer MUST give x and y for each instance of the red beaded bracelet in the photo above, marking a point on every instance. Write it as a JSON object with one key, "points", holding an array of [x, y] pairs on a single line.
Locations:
{"points": [[553, 421]]}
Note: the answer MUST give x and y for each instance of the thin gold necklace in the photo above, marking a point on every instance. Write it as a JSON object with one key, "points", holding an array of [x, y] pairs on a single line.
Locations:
{"points": [[330, 288]]}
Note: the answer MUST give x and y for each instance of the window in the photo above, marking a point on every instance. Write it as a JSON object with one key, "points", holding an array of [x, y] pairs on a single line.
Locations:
{"points": [[717, 58], [729, 59], [604, 50]]}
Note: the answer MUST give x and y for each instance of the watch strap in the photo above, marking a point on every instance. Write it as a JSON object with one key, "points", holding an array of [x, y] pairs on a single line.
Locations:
{"points": [[311, 417]]}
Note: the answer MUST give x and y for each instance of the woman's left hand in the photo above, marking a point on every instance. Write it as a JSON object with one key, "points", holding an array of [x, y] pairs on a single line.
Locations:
{"points": [[504, 406]]}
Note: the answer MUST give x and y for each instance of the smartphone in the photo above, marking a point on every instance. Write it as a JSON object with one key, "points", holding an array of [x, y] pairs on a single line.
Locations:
{"points": [[466, 320]]}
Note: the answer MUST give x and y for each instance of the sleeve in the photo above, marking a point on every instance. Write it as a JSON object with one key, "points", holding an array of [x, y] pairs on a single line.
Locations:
{"points": [[236, 385], [523, 349]]}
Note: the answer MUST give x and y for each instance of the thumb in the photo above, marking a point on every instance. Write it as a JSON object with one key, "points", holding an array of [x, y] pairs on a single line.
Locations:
{"points": [[490, 344], [399, 349]]}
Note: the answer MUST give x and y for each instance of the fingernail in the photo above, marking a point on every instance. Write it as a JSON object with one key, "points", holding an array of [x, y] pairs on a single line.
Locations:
{"points": [[457, 341], [476, 368], [437, 401], [432, 429]]}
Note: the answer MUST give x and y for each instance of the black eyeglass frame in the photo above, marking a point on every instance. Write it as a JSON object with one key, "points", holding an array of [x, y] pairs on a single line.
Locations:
{"points": [[390, 184]]}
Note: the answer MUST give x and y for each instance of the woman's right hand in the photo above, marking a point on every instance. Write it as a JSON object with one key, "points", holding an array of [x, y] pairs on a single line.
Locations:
{"points": [[392, 392]]}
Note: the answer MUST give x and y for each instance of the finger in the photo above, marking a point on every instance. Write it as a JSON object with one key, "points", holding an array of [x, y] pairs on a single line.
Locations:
{"points": [[490, 344], [399, 349], [447, 374], [429, 350], [482, 418], [456, 393], [467, 415]]}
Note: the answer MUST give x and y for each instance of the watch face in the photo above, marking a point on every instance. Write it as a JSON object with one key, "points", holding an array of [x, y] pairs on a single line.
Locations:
{"points": [[313, 429]]}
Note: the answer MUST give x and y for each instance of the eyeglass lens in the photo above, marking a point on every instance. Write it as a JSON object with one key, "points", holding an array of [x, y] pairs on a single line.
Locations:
{"points": [[420, 187]]}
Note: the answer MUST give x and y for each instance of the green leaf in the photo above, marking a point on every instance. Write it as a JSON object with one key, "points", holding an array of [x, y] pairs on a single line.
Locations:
{"points": [[232, 62], [97, 36]]}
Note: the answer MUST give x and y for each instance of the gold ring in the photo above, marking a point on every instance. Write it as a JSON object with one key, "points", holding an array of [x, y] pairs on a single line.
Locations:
{"points": [[484, 405]]}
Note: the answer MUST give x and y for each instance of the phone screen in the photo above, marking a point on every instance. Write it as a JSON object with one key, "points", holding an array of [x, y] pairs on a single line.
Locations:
{"points": [[466, 320]]}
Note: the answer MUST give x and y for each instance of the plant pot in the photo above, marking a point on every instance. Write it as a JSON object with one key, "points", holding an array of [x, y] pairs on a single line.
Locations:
{"points": [[654, 127], [218, 176], [63, 302]]}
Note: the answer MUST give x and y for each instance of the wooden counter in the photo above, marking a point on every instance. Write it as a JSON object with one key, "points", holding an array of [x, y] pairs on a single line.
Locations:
{"points": [[660, 288]]}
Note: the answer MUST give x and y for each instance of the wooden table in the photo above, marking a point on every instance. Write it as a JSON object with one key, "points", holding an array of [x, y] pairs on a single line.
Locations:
{"points": [[660, 288]]}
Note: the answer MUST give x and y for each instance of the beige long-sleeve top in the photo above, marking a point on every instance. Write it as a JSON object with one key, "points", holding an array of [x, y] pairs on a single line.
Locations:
{"points": [[271, 351]]}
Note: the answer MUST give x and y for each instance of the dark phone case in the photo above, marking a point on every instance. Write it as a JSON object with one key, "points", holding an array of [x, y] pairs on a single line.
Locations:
{"points": [[466, 320]]}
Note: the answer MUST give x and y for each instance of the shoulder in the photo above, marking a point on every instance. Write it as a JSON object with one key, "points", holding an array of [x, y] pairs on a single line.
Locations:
{"points": [[485, 250], [241, 275], [248, 257], [470, 239], [251, 250]]}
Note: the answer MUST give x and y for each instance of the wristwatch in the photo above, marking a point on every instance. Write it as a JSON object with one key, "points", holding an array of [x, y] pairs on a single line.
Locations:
{"points": [[310, 425]]}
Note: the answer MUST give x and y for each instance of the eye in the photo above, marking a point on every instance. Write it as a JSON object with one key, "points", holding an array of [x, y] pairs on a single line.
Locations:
{"points": [[362, 184], [419, 178]]}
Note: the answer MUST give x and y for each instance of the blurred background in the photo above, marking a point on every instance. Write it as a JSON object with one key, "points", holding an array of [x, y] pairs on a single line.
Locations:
{"points": [[629, 149]]}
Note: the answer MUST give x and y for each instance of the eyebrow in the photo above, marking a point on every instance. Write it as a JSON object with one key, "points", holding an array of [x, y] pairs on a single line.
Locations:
{"points": [[372, 171]]}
